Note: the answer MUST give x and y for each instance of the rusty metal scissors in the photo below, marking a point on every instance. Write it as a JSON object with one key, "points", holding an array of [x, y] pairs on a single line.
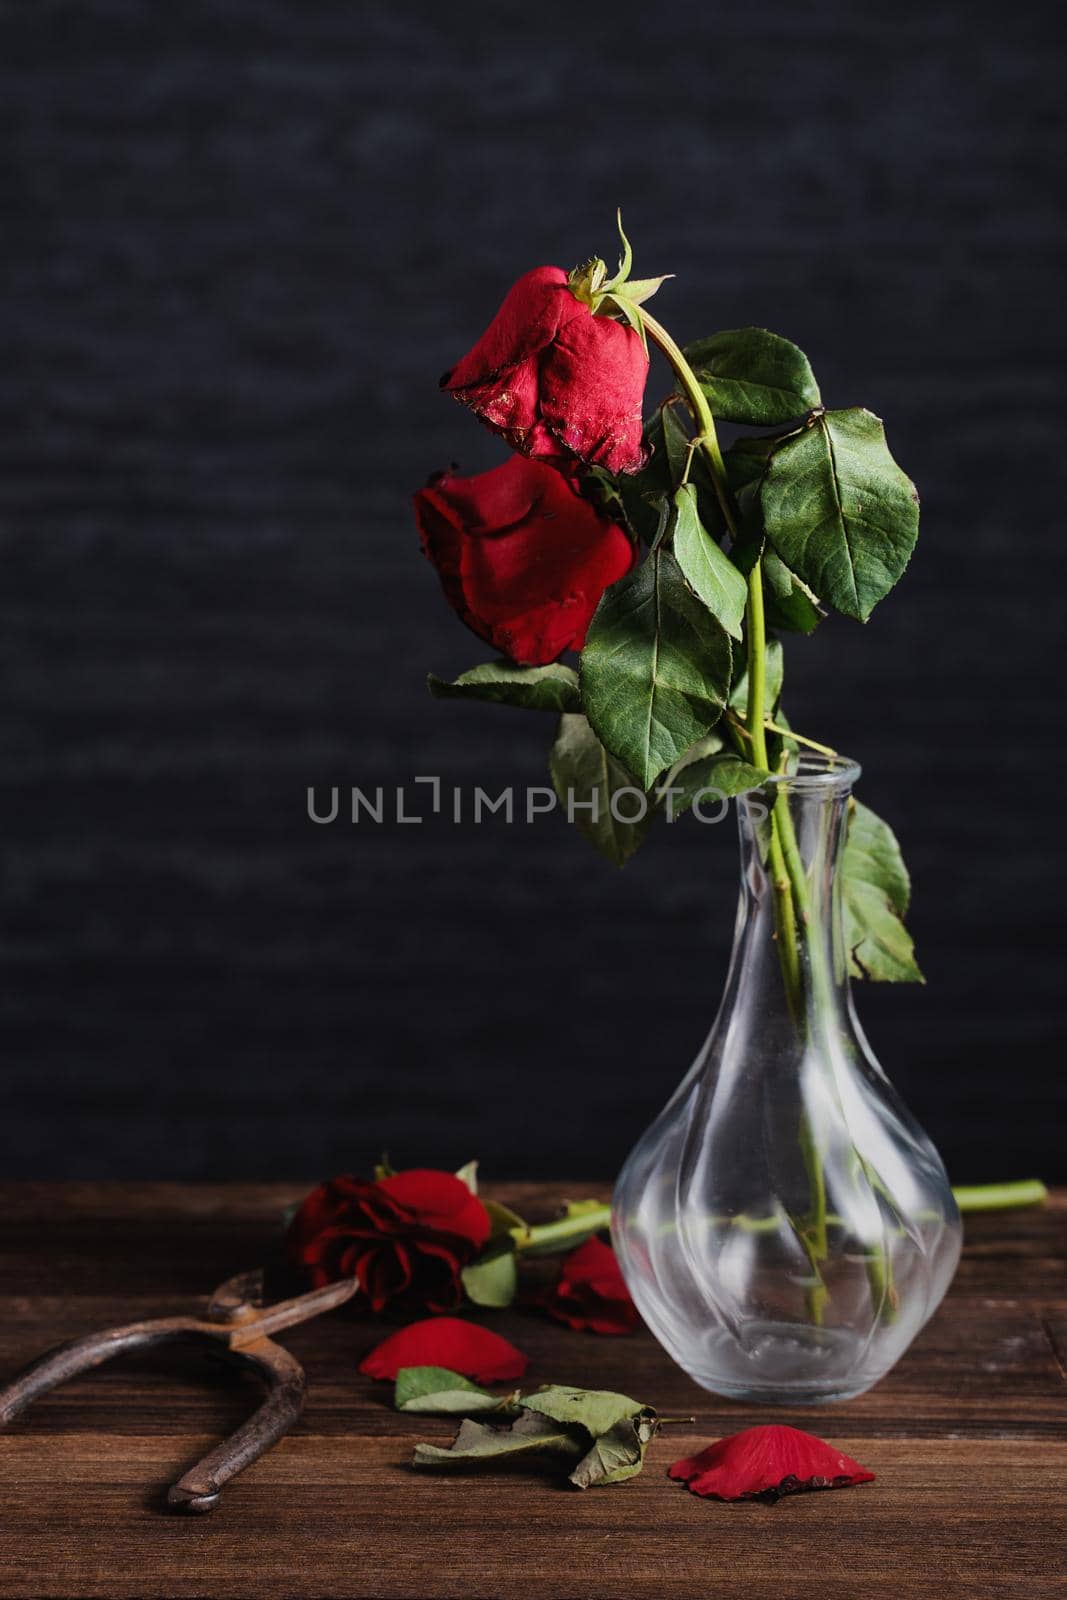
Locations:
{"points": [[236, 1324]]}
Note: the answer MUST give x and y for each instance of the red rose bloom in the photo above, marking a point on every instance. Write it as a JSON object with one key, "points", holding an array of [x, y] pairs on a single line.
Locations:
{"points": [[591, 1293], [558, 382], [523, 558], [405, 1238]]}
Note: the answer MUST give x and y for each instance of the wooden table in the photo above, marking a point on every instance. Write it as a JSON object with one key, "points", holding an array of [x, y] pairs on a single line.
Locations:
{"points": [[968, 1437]]}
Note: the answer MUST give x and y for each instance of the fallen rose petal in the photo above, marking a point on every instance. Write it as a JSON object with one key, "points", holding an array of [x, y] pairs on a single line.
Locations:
{"points": [[590, 1293], [450, 1342], [767, 1463]]}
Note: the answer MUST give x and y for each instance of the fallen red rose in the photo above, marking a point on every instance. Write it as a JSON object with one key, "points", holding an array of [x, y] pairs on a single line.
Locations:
{"points": [[406, 1238], [450, 1342], [590, 1292], [767, 1463], [558, 382], [523, 558]]}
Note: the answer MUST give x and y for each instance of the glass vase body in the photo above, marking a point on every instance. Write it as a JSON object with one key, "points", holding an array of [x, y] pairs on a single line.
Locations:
{"points": [[785, 1226]]}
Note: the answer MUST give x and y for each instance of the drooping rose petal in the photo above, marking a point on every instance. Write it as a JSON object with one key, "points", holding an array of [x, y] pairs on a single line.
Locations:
{"points": [[522, 556], [767, 1463], [559, 383], [440, 1201], [590, 1293], [450, 1342]]}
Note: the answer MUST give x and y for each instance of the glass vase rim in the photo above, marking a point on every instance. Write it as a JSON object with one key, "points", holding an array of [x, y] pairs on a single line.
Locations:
{"points": [[822, 776]]}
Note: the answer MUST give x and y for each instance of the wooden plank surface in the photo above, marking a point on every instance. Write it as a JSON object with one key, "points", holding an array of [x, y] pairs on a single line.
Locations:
{"points": [[968, 1437]]}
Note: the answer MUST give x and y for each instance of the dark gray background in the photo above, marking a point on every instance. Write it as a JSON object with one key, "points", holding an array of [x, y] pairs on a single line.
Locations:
{"points": [[240, 242]]}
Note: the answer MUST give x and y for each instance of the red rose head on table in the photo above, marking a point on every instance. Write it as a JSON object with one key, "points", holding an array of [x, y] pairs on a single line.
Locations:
{"points": [[423, 1240], [405, 1237]]}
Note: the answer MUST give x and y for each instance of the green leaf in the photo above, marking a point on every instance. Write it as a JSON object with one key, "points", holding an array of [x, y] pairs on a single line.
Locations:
{"points": [[876, 895], [435, 1391], [532, 1440], [655, 670], [724, 775], [789, 603], [501, 1218], [750, 375], [592, 1436], [493, 1279], [596, 1410], [585, 775], [839, 511], [709, 573], [384, 1169], [551, 688], [746, 461], [774, 673], [669, 442], [617, 300], [468, 1175], [619, 1430], [616, 1455]]}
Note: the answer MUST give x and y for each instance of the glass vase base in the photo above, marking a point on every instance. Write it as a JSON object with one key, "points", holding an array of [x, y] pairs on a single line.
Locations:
{"points": [[777, 1363]]}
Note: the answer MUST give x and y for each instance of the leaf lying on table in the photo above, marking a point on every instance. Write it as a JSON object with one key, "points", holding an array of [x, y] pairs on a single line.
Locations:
{"points": [[437, 1392], [591, 1436]]}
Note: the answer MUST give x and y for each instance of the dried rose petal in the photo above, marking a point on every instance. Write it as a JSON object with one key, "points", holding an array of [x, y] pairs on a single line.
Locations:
{"points": [[767, 1463], [590, 1292], [446, 1342]]}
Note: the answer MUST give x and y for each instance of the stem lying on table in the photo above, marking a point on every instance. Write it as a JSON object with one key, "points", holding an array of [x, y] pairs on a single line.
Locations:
{"points": [[1001, 1196], [969, 1197]]}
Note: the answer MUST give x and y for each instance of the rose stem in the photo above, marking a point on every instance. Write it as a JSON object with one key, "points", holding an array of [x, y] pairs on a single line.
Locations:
{"points": [[790, 888]]}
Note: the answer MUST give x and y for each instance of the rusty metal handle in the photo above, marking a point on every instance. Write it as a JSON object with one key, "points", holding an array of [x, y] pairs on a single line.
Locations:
{"points": [[198, 1489], [67, 1360]]}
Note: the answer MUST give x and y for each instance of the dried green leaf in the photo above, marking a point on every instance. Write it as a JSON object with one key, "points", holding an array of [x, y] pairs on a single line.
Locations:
{"points": [[593, 1436], [655, 670], [532, 1440], [708, 571], [839, 511], [435, 1391], [876, 894], [589, 780], [754, 376], [493, 1279], [550, 688]]}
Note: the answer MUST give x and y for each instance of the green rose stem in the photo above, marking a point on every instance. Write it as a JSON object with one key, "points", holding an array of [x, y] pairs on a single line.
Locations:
{"points": [[970, 1198], [790, 887]]}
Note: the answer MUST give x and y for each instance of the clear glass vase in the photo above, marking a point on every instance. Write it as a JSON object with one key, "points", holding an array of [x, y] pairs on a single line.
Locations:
{"points": [[785, 1226]]}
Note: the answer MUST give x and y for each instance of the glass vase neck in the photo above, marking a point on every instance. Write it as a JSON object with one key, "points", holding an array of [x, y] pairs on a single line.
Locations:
{"points": [[790, 930]]}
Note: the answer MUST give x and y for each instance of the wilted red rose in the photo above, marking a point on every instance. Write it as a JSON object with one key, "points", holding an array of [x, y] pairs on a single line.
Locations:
{"points": [[406, 1238], [523, 558], [590, 1292], [765, 1464], [558, 382], [448, 1342]]}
